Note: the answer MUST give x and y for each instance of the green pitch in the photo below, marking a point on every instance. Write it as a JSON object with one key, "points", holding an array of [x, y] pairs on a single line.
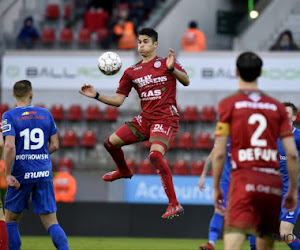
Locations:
{"points": [[113, 243]]}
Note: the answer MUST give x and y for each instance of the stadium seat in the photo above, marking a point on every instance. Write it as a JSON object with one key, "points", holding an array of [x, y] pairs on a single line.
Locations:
{"points": [[3, 109], [52, 11], [69, 139], [88, 139], [67, 10], [208, 114], [101, 17], [185, 140], [48, 35], [180, 167], [57, 112], [191, 114], [197, 167], [84, 35], [75, 113], [102, 33], [66, 35], [111, 113], [65, 162], [93, 113], [145, 167], [298, 116], [131, 164], [204, 141]]}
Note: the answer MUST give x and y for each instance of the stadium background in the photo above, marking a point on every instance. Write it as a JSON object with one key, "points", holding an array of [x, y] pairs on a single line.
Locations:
{"points": [[133, 208]]}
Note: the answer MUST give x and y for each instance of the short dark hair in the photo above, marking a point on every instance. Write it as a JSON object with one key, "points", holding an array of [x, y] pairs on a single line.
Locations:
{"points": [[249, 65], [193, 24], [22, 88], [292, 105], [149, 32]]}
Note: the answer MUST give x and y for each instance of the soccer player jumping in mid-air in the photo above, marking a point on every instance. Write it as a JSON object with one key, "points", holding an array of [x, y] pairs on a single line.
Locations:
{"points": [[288, 220], [154, 79], [30, 137], [254, 121]]}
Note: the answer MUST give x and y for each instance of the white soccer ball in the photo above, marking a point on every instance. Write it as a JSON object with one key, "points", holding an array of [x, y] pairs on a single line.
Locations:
{"points": [[109, 63]]}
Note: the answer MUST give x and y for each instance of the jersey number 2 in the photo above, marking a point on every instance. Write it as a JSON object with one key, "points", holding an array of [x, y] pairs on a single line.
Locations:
{"points": [[34, 136], [262, 125]]}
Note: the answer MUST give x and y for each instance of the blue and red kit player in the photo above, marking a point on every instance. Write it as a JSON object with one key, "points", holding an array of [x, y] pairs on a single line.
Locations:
{"points": [[154, 79], [30, 136], [288, 219]]}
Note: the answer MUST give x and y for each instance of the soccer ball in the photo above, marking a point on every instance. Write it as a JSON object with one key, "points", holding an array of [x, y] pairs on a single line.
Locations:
{"points": [[109, 63]]}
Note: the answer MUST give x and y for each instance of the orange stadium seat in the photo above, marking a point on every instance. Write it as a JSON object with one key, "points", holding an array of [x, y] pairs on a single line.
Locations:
{"points": [[185, 140], [145, 167], [191, 114], [52, 11], [48, 35], [131, 164], [197, 167], [88, 139], [93, 113], [65, 162], [180, 167], [66, 35], [204, 141], [111, 113], [57, 112], [75, 113], [69, 139], [84, 35], [208, 114]]}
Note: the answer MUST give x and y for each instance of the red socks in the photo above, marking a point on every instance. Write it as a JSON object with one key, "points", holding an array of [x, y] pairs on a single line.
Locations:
{"points": [[164, 171], [3, 236], [117, 155]]}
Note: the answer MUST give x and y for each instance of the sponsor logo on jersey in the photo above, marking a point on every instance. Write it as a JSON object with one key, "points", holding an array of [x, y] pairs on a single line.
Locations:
{"points": [[35, 175], [30, 117], [255, 105], [263, 189], [4, 126], [282, 157], [147, 80], [139, 119], [151, 95], [256, 154], [159, 128], [29, 113], [32, 157], [137, 68]]}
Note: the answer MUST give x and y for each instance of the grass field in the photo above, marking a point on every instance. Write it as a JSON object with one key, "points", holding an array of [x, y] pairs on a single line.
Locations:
{"points": [[113, 243]]}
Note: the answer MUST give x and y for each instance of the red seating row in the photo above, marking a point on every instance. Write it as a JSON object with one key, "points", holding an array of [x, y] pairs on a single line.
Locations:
{"points": [[63, 162], [192, 114], [180, 167], [66, 35], [70, 139], [95, 19], [186, 141]]}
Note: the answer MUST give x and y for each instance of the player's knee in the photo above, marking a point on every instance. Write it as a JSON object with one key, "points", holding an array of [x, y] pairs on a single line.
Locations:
{"points": [[155, 157], [108, 145]]}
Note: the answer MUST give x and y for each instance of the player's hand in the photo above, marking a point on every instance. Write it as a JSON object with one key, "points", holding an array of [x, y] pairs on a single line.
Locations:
{"points": [[88, 90], [12, 181], [219, 199], [201, 183], [290, 201], [171, 59]]}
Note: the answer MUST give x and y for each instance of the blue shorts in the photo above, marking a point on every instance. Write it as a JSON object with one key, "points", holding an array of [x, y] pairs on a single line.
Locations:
{"points": [[224, 187], [291, 216], [42, 195]]}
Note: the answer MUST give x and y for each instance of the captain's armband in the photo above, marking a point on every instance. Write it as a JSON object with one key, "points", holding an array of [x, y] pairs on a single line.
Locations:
{"points": [[222, 128]]}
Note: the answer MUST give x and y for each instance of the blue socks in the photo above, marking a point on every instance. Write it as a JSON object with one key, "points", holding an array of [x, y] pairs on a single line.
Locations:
{"points": [[252, 242], [215, 227], [58, 237], [295, 245], [14, 238]]}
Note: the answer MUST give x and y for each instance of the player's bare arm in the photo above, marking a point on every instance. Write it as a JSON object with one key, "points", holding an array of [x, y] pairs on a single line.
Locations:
{"points": [[207, 167], [218, 159], [9, 157], [180, 76], [53, 143], [114, 100], [291, 198]]}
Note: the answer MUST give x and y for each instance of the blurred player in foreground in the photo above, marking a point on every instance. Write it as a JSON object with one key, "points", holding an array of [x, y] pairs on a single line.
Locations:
{"points": [[288, 220], [154, 79], [254, 121], [30, 137], [216, 222], [3, 230]]}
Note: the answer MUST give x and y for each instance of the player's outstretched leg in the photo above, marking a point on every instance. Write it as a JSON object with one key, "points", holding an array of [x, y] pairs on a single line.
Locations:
{"points": [[117, 154], [58, 237], [162, 168], [215, 227]]}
